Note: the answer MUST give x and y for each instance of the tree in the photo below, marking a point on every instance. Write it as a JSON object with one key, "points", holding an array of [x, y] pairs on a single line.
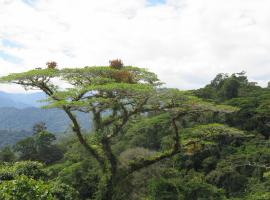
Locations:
{"points": [[253, 114], [39, 127], [228, 179], [224, 87], [114, 96], [218, 81], [39, 147], [47, 152], [77, 169], [230, 88], [26, 149], [7, 155]]}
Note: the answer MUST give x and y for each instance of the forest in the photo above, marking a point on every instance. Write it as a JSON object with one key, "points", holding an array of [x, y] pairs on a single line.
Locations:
{"points": [[147, 142]]}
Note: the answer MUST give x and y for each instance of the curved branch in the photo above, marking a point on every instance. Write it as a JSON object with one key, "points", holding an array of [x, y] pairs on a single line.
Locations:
{"points": [[76, 127], [77, 130], [133, 167], [176, 137]]}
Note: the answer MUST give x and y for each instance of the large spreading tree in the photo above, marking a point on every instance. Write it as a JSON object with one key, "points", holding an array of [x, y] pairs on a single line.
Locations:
{"points": [[114, 95]]}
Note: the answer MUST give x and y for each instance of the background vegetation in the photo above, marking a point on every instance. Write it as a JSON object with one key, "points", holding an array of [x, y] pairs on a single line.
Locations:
{"points": [[147, 142]]}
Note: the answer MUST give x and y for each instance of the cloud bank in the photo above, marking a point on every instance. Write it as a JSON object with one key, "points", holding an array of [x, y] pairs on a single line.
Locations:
{"points": [[186, 42]]}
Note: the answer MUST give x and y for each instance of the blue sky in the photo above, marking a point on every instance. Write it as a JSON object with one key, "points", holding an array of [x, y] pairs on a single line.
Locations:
{"points": [[10, 58], [29, 2], [6, 43], [155, 2], [10, 43]]}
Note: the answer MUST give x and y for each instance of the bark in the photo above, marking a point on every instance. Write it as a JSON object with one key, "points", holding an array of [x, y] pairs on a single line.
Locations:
{"points": [[111, 169], [77, 130], [150, 161]]}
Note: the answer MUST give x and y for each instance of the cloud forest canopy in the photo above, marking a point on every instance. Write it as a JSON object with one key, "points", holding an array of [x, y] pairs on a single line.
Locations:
{"points": [[116, 95]]}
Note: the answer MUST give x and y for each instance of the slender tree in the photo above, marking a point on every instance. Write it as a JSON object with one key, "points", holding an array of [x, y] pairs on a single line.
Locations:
{"points": [[39, 127]]}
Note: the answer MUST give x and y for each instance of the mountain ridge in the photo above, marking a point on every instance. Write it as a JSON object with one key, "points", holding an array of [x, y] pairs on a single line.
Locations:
{"points": [[21, 100], [17, 119]]}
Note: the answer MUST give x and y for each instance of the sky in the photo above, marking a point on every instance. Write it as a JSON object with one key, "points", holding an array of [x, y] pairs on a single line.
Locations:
{"points": [[185, 42]]}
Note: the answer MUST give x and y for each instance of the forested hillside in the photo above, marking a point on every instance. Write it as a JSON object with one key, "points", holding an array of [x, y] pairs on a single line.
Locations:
{"points": [[9, 137], [20, 112], [148, 142], [16, 124], [252, 100]]}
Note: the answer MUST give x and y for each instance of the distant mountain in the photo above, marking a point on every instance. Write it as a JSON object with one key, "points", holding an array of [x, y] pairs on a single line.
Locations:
{"points": [[23, 119], [19, 112], [8, 137], [6, 101], [21, 100]]}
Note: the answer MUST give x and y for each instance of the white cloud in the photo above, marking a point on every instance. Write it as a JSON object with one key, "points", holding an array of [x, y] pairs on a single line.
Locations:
{"points": [[186, 42]]}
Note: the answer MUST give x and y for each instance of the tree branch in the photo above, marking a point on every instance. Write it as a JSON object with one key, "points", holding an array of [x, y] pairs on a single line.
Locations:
{"points": [[136, 166], [76, 127], [106, 146], [77, 130]]}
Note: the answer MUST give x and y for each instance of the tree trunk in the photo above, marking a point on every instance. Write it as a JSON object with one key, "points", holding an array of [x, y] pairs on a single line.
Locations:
{"points": [[109, 188], [109, 170]]}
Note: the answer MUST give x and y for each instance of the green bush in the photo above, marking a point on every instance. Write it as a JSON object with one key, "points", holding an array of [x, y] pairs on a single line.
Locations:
{"points": [[63, 191], [30, 169], [25, 188], [163, 190]]}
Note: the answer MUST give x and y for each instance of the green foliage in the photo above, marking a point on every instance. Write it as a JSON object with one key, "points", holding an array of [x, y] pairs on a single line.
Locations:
{"points": [[61, 191], [27, 180], [259, 196], [30, 169], [213, 134], [163, 190], [39, 127], [197, 188], [6, 173], [252, 100], [148, 132], [147, 142], [7, 155], [230, 88], [39, 147], [26, 148], [258, 190], [78, 171], [81, 176], [24, 188], [224, 87], [228, 179], [190, 187]]}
